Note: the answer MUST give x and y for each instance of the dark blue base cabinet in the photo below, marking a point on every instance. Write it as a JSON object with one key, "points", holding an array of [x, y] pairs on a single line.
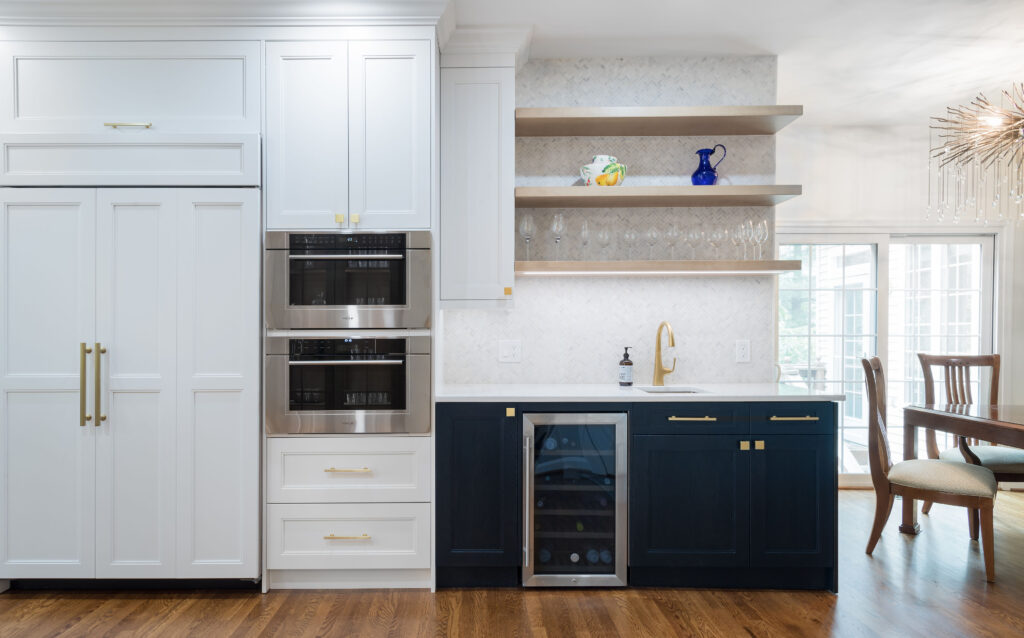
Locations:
{"points": [[720, 494]]}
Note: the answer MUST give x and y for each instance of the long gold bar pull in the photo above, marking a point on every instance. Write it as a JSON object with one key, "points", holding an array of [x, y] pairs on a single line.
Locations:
{"points": [[361, 537], [82, 383], [793, 418], [352, 470], [693, 418], [98, 367]]}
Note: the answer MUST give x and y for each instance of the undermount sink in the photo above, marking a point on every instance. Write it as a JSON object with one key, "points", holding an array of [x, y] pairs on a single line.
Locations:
{"points": [[671, 389]]}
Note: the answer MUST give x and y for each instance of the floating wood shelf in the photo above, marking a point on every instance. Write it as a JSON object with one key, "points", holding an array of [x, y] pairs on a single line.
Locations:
{"points": [[693, 267], [651, 196], [655, 120]]}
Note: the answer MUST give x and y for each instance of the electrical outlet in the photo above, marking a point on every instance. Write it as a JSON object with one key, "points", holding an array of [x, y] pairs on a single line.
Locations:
{"points": [[510, 350], [743, 351]]}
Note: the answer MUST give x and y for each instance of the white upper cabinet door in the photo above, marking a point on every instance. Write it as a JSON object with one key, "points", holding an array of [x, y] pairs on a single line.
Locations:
{"points": [[307, 135], [218, 383], [477, 184], [47, 310], [176, 87], [390, 119], [136, 324]]}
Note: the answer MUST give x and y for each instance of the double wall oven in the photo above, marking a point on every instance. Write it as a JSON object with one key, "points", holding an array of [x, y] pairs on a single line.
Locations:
{"points": [[347, 348]]}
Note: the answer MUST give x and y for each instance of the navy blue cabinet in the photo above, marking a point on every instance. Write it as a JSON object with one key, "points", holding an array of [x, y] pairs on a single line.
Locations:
{"points": [[478, 460]]}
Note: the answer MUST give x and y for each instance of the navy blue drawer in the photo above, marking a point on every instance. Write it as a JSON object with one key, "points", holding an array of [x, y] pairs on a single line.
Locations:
{"points": [[789, 417], [690, 418]]}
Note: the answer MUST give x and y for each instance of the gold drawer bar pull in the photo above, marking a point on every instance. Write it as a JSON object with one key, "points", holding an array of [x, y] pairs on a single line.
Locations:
{"points": [[361, 537], [348, 470], [98, 360], [118, 124], [82, 382], [693, 418], [794, 418]]}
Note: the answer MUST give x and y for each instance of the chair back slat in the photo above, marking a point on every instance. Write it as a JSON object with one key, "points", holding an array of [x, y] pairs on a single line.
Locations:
{"points": [[957, 370], [879, 454]]}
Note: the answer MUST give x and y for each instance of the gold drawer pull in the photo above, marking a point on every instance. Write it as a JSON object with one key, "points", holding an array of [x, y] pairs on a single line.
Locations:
{"points": [[118, 124], [744, 446], [794, 418], [348, 470], [758, 445], [361, 537], [82, 381], [693, 418]]}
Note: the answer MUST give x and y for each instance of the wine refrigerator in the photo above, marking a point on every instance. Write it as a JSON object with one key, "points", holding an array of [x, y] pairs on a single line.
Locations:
{"points": [[574, 499]]}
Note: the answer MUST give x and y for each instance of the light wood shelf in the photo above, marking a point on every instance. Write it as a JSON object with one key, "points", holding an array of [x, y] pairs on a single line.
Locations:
{"points": [[692, 267], [655, 120], [652, 196]]}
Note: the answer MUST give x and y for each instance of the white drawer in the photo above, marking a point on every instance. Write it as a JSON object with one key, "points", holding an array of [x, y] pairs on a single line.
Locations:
{"points": [[350, 536], [130, 159], [174, 86], [348, 469]]}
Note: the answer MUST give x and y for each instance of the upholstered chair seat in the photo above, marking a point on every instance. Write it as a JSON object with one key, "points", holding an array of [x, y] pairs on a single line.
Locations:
{"points": [[948, 477], [998, 458]]}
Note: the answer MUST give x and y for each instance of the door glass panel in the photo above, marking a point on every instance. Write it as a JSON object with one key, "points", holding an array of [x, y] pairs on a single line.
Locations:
{"points": [[574, 499], [337, 270], [346, 374]]}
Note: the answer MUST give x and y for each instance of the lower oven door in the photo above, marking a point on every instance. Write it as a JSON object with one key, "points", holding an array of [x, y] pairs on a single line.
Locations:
{"points": [[347, 395]]}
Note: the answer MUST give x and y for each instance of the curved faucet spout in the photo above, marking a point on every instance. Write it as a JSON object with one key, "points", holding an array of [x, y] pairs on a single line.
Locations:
{"points": [[659, 366]]}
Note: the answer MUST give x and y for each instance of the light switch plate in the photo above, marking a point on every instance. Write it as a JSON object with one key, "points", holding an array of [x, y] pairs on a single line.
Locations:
{"points": [[743, 351], [510, 351]]}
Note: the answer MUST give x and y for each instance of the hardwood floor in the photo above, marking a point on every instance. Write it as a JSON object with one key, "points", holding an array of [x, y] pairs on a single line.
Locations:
{"points": [[930, 585]]}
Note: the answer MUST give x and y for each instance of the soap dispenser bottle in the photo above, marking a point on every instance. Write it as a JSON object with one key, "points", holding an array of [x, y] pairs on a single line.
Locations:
{"points": [[626, 369]]}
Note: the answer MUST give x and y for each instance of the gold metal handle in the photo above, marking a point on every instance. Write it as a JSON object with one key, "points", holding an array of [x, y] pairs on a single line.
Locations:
{"points": [[758, 445], [98, 368], [510, 412], [693, 418], [361, 537], [744, 446], [339, 218], [350, 470], [355, 218], [508, 291], [82, 382], [120, 124], [794, 418]]}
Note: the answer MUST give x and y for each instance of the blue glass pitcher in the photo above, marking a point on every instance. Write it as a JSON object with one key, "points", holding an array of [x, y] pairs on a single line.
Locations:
{"points": [[706, 175]]}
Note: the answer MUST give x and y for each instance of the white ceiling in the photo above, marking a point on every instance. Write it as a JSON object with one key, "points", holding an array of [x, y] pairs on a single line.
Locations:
{"points": [[855, 62]]}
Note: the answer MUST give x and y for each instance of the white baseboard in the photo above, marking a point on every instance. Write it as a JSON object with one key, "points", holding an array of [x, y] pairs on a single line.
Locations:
{"points": [[855, 482], [4, 585], [348, 579]]}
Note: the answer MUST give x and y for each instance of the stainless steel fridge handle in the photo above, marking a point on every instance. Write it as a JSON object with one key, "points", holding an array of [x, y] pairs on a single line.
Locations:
{"points": [[527, 501], [375, 257]]}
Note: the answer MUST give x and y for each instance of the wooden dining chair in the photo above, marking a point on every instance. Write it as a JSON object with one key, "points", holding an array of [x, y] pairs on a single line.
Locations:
{"points": [[1006, 462], [946, 482]]}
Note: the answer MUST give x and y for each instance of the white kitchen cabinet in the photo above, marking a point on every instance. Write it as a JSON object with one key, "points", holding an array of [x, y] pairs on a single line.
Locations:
{"points": [[477, 185], [47, 452], [349, 134], [307, 134], [161, 480]]}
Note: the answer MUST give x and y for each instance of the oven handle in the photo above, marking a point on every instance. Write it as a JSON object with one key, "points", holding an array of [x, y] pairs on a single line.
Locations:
{"points": [[347, 362], [348, 257]]}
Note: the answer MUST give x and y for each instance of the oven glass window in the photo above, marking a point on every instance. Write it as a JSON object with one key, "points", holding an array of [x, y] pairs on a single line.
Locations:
{"points": [[347, 270], [346, 374]]}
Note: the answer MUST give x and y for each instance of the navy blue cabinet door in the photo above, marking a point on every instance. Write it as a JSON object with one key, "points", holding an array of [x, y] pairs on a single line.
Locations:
{"points": [[689, 501], [793, 501], [478, 460]]}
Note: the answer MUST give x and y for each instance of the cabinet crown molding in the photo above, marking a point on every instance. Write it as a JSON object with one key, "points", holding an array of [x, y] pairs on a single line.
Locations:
{"points": [[487, 46]]}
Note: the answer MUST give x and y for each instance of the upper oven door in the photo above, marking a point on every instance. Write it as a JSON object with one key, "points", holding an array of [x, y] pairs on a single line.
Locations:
{"points": [[338, 280]]}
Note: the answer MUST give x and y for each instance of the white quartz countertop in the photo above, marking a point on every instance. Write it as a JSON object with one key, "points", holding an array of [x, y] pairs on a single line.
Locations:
{"points": [[468, 393]]}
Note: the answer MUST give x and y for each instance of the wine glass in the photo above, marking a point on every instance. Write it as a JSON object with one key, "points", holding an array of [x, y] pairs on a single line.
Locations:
{"points": [[604, 238], [738, 248], [527, 230], [693, 237], [740, 236], [630, 238], [557, 230], [761, 237], [748, 236], [715, 238], [585, 237], [652, 236], [672, 238]]}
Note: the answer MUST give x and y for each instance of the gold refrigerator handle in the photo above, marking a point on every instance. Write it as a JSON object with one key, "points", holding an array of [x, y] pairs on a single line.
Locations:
{"points": [[82, 382], [98, 368]]}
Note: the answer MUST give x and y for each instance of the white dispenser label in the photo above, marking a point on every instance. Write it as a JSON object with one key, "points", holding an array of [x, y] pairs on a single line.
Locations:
{"points": [[625, 374]]}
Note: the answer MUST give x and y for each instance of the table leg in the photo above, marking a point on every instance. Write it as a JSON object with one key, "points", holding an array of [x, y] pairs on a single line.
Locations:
{"points": [[909, 524]]}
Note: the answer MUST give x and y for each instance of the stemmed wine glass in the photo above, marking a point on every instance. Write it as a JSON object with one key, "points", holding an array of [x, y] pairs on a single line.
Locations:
{"points": [[672, 238], [761, 237], [630, 238], [715, 238], [737, 243], [527, 230], [739, 235], [693, 237], [585, 237], [604, 237], [557, 230], [652, 238]]}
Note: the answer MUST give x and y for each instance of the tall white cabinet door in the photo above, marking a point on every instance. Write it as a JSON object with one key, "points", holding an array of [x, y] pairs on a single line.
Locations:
{"points": [[389, 134], [47, 309], [477, 184], [218, 383], [307, 134], [136, 324]]}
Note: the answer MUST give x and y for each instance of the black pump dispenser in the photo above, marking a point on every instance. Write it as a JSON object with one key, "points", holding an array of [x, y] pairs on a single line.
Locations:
{"points": [[626, 369]]}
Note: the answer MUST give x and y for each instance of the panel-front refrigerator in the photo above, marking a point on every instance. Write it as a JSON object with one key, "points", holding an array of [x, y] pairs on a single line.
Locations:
{"points": [[574, 499]]}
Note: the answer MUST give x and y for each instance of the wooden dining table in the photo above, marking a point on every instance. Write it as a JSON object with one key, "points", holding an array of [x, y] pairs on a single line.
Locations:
{"points": [[1002, 424]]}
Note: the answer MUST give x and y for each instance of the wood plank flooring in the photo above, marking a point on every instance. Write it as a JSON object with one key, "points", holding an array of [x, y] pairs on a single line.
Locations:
{"points": [[931, 585]]}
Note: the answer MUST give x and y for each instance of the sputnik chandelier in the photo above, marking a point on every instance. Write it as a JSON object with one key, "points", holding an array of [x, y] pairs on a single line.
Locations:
{"points": [[976, 161]]}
